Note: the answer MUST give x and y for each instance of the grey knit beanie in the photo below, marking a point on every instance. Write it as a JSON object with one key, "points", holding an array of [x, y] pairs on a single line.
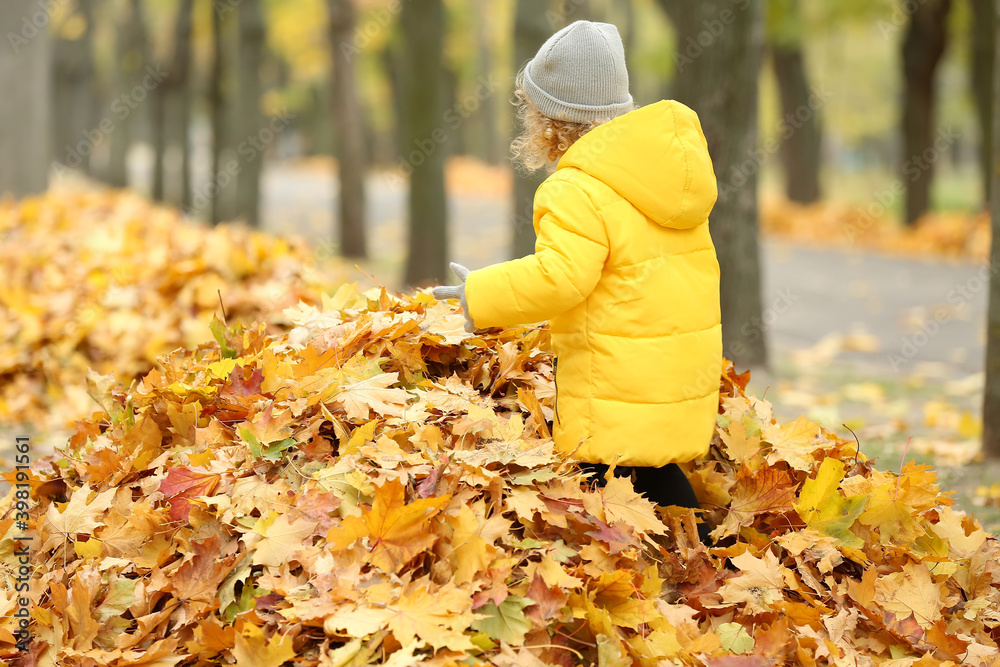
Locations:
{"points": [[579, 74]]}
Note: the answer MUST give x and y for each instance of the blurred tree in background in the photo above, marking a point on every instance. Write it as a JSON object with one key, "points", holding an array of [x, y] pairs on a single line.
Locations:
{"points": [[923, 47], [991, 389], [531, 29], [720, 81], [423, 24], [73, 72], [253, 135], [800, 151], [25, 76], [349, 127], [983, 40]]}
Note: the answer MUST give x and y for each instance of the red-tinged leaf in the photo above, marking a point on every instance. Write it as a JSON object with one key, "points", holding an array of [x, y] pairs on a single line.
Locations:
{"points": [[427, 487], [183, 483], [496, 593], [739, 661], [549, 602], [614, 536], [242, 386], [269, 602]]}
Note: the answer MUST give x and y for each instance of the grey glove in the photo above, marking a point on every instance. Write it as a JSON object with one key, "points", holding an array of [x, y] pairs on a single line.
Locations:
{"points": [[457, 292]]}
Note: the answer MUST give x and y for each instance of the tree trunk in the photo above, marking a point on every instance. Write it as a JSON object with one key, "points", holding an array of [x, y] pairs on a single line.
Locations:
{"points": [[923, 46], [627, 26], [217, 109], [531, 29], [25, 105], [991, 393], [185, 102], [800, 151], [250, 119], [350, 130], [171, 107], [488, 106], [801, 142], [74, 127], [721, 84], [130, 60], [157, 133], [423, 32], [983, 31]]}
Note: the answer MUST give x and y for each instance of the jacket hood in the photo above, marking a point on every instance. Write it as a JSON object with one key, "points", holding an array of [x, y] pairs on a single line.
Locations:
{"points": [[657, 158]]}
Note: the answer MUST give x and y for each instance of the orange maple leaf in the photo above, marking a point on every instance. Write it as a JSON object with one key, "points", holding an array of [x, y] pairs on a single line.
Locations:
{"points": [[396, 530]]}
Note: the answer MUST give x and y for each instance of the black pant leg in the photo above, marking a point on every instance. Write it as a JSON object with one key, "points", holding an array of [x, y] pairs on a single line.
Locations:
{"points": [[670, 486], [598, 471], [666, 486]]}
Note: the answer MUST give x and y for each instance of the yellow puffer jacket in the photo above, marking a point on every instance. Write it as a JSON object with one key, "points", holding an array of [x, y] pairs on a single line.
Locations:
{"points": [[625, 271]]}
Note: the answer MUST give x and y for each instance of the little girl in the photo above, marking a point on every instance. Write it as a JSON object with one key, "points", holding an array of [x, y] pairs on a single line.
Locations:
{"points": [[624, 267]]}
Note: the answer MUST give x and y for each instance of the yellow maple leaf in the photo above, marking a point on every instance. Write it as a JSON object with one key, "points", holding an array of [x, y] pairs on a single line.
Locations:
{"points": [[622, 503], [279, 538], [269, 427], [742, 438], [793, 443], [889, 513], [438, 617], [396, 531], [761, 583], [79, 515], [618, 595], [825, 509], [359, 398], [912, 591], [470, 552], [252, 649]]}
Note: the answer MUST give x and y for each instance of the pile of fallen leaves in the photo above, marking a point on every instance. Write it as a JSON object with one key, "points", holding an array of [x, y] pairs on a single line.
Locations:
{"points": [[953, 234], [378, 486], [106, 280]]}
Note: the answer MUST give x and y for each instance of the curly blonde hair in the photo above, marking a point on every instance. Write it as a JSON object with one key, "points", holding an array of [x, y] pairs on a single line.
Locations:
{"points": [[542, 140]]}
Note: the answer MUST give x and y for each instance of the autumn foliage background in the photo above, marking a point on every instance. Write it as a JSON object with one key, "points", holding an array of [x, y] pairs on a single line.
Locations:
{"points": [[264, 443]]}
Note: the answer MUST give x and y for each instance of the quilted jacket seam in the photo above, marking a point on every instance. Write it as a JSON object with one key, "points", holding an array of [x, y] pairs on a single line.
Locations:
{"points": [[659, 335], [677, 400]]}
